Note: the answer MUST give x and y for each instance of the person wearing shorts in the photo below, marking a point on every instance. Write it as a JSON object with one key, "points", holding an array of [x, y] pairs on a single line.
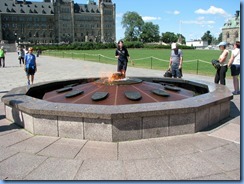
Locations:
{"points": [[234, 65], [122, 55], [30, 65]]}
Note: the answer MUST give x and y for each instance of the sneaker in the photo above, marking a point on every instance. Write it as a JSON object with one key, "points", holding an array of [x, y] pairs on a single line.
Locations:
{"points": [[28, 83], [235, 92], [238, 92]]}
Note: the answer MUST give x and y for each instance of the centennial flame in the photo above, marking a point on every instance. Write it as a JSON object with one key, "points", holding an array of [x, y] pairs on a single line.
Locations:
{"points": [[115, 76]]}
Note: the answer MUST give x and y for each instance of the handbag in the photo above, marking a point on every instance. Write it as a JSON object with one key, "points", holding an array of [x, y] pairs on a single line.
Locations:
{"points": [[168, 73], [216, 64]]}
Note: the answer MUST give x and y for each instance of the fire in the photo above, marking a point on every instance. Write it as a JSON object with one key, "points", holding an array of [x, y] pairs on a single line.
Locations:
{"points": [[111, 78], [115, 76]]}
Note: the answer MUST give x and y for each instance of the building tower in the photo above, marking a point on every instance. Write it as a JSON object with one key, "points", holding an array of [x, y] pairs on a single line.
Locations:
{"points": [[231, 29], [64, 20], [107, 9]]}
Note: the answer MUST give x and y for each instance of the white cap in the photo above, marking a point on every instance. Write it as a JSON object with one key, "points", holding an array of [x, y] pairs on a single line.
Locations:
{"points": [[222, 44], [173, 46]]}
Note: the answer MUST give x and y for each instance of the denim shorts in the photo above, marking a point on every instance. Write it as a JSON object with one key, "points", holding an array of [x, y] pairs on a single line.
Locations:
{"points": [[235, 70]]}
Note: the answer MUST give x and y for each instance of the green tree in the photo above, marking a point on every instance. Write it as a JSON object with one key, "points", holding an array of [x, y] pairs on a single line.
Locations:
{"points": [[181, 38], [169, 37], [150, 32], [207, 37], [132, 22], [215, 41], [220, 37]]}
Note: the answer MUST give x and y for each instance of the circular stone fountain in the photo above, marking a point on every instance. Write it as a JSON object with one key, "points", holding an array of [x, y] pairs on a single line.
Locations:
{"points": [[116, 109]]}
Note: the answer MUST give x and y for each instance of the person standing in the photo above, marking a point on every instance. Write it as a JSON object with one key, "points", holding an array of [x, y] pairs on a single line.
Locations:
{"points": [[234, 65], [221, 71], [122, 55], [175, 61], [2, 56], [30, 65], [21, 55]]}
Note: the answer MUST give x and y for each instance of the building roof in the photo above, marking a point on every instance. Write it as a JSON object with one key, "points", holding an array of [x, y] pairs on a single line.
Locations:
{"points": [[86, 8], [9, 6], [233, 22]]}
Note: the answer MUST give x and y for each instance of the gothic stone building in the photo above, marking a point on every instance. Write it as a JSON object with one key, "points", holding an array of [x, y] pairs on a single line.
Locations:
{"points": [[231, 29], [56, 21]]}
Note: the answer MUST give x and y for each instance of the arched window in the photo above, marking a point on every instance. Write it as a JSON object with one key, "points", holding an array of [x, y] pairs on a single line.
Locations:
{"points": [[236, 34], [227, 35]]}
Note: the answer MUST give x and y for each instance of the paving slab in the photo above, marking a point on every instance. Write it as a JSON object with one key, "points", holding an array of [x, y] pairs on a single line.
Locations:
{"points": [[154, 169], [230, 131], [34, 145], [220, 176], [98, 151], [19, 166], [228, 160], [55, 169], [134, 150], [191, 166], [202, 141], [174, 147], [7, 127], [5, 153], [14, 137], [63, 148], [101, 170]]}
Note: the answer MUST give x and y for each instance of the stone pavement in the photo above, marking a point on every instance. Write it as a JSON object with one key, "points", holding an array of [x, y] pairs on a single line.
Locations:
{"points": [[209, 155]]}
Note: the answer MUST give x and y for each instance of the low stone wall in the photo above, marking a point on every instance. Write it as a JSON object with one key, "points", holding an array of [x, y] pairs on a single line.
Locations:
{"points": [[121, 122]]}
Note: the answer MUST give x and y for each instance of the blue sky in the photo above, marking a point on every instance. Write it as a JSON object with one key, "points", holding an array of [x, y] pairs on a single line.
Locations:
{"points": [[191, 18]]}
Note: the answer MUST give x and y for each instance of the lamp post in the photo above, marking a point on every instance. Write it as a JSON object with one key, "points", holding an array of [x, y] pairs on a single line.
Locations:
{"points": [[15, 36]]}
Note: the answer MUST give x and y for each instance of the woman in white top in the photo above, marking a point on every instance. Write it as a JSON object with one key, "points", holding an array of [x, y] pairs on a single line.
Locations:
{"points": [[221, 72], [234, 64]]}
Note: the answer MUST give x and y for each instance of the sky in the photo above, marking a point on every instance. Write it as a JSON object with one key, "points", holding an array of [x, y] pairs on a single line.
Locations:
{"points": [[191, 18]]}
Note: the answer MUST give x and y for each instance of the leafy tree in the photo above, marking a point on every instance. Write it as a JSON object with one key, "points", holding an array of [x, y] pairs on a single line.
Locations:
{"points": [[150, 32], [215, 41], [207, 37], [169, 37], [181, 38], [220, 37], [132, 22]]}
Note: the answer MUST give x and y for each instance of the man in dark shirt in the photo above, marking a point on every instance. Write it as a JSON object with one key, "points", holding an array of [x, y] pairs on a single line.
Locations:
{"points": [[122, 55]]}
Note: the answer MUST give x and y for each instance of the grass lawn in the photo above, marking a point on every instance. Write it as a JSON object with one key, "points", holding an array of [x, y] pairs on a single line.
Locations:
{"points": [[195, 61]]}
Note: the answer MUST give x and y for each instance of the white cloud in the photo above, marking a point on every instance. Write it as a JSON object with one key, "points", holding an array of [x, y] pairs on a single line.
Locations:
{"points": [[200, 18], [176, 12], [212, 10], [148, 18], [119, 15], [199, 22]]}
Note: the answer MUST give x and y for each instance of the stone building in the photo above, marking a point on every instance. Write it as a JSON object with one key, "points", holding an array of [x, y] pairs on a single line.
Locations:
{"points": [[57, 21], [231, 29]]}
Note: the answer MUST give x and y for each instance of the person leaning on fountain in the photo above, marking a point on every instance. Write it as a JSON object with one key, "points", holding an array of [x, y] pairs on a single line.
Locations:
{"points": [[122, 55], [175, 61]]}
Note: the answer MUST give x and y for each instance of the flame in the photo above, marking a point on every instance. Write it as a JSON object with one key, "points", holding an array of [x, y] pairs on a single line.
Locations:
{"points": [[109, 77]]}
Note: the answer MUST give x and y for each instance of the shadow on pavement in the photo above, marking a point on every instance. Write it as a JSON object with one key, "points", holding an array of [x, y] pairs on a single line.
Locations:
{"points": [[234, 112], [12, 126]]}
